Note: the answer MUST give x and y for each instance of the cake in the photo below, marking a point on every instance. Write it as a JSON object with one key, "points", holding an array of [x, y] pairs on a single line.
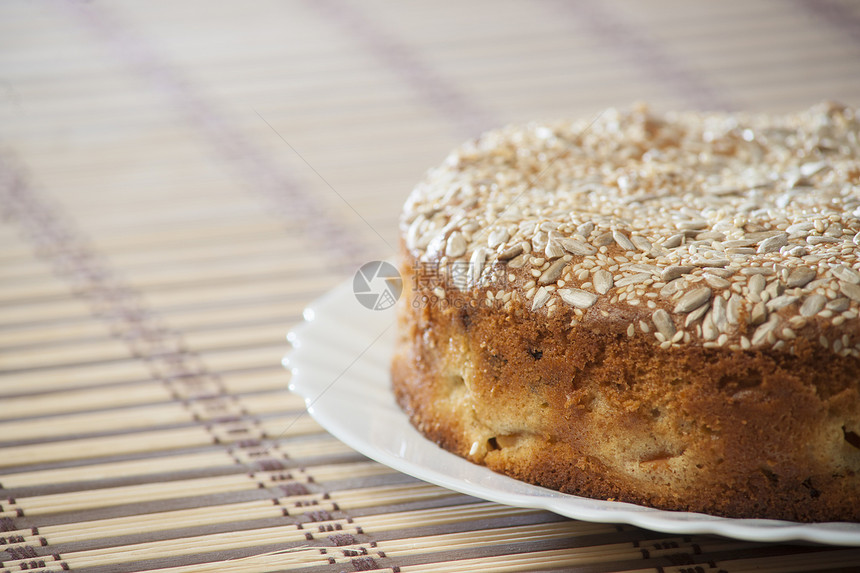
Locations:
{"points": [[651, 308]]}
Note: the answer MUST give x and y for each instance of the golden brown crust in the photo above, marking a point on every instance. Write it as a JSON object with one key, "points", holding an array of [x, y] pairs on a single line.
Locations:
{"points": [[736, 434], [587, 396]]}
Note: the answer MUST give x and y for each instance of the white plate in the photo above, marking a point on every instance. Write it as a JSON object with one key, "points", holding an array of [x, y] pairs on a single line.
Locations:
{"points": [[340, 366]]}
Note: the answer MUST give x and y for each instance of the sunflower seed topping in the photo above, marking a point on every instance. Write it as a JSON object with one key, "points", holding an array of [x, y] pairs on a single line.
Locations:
{"points": [[664, 323], [846, 274], [840, 304], [772, 244], [693, 300], [552, 273], [641, 243], [675, 271], [577, 247], [758, 245], [541, 297], [850, 290], [633, 279], [799, 277], [622, 241], [716, 281], [603, 281], [577, 298], [812, 305]]}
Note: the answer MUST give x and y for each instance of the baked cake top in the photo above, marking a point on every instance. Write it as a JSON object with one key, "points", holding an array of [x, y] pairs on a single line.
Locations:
{"points": [[728, 230]]}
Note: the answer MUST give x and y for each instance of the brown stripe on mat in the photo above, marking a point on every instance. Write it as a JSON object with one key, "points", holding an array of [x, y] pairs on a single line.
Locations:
{"points": [[221, 416], [292, 201], [612, 31], [837, 15], [429, 85]]}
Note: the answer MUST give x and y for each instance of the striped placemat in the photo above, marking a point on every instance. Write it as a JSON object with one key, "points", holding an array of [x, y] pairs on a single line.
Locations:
{"points": [[178, 180]]}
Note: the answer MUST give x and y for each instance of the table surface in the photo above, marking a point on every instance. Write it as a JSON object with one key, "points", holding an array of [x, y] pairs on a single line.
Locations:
{"points": [[179, 179]]}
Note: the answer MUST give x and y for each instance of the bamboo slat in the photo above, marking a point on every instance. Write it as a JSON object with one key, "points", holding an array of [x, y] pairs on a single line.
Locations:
{"points": [[178, 181]]}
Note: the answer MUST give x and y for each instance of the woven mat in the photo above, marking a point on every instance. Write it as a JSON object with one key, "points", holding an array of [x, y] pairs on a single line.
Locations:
{"points": [[179, 179]]}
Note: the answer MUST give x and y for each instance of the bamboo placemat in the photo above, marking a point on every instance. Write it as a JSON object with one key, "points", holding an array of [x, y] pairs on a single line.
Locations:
{"points": [[178, 180]]}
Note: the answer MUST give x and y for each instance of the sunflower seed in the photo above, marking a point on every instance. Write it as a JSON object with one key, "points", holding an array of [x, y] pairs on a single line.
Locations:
{"points": [[781, 302], [840, 304], [633, 279], [553, 250], [693, 300], [709, 329], [511, 252], [812, 305], [718, 313], [541, 296], [762, 332], [577, 247], [758, 314], [724, 273], [553, 272], [846, 274], [673, 272], [641, 243], [850, 290], [715, 281], [497, 237], [733, 308], [775, 289], [604, 240], [672, 287], [800, 227], [603, 281], [585, 229], [673, 241], [696, 315], [818, 240], [476, 264], [517, 262], [577, 298], [757, 284], [716, 263], [799, 277], [623, 241], [664, 323], [456, 245], [739, 243], [710, 236], [696, 225], [642, 268], [772, 244], [810, 169]]}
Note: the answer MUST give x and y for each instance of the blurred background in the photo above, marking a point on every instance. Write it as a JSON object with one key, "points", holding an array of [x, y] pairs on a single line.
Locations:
{"points": [[179, 179], [330, 108]]}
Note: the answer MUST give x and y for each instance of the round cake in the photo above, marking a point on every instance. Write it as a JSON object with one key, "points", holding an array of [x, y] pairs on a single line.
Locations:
{"points": [[658, 309]]}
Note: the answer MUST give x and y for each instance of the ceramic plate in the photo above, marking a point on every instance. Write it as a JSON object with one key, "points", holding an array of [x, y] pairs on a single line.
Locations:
{"points": [[340, 366]]}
